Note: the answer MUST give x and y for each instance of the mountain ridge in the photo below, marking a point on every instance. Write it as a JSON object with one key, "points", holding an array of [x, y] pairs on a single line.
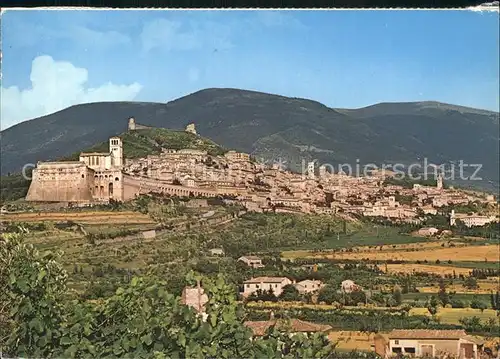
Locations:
{"points": [[273, 126]]}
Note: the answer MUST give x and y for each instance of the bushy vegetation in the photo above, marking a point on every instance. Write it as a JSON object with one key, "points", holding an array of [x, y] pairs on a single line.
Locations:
{"points": [[141, 319], [14, 186], [141, 143]]}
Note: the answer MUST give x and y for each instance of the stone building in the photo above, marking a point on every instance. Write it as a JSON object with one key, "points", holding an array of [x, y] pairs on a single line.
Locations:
{"points": [[191, 129], [95, 177], [132, 125], [69, 181], [470, 220]]}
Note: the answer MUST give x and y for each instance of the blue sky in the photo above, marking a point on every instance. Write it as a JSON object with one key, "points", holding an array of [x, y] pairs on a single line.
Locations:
{"points": [[54, 59]]}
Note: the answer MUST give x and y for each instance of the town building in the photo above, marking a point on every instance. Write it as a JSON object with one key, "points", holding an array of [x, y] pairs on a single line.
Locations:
{"points": [[470, 220]]}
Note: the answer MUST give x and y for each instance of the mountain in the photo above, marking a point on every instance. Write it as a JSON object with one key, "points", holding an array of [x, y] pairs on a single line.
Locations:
{"points": [[273, 126]]}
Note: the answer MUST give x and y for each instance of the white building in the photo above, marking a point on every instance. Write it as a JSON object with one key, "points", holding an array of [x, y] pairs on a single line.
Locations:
{"points": [[275, 284], [309, 286]]}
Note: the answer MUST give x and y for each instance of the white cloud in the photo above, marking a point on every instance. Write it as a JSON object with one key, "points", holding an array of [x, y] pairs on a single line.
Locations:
{"points": [[174, 35], [102, 39], [28, 34], [56, 85]]}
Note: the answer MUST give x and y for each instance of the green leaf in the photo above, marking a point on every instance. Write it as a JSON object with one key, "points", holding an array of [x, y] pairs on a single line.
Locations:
{"points": [[147, 339], [66, 341], [36, 324], [23, 286], [42, 341], [42, 274]]}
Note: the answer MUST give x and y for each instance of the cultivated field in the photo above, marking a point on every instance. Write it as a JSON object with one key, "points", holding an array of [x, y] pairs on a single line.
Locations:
{"points": [[408, 268], [465, 253], [453, 315], [486, 286], [350, 340], [84, 217]]}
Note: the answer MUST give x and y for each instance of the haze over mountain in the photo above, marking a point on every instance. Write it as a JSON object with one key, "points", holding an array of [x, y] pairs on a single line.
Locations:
{"points": [[274, 127]]}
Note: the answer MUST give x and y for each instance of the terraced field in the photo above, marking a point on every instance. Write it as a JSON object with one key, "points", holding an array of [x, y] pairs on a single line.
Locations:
{"points": [[84, 217]]}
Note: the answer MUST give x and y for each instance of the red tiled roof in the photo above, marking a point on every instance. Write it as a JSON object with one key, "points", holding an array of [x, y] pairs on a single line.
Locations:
{"points": [[294, 325], [426, 334]]}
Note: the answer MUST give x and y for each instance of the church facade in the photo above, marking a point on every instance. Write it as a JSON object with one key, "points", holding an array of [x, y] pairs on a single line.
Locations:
{"points": [[95, 177]]}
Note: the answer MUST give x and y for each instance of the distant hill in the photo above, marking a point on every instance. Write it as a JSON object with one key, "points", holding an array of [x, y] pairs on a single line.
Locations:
{"points": [[273, 126]]}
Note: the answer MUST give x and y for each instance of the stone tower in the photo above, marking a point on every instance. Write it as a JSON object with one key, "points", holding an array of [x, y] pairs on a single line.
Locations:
{"points": [[310, 169], [116, 150], [131, 124], [439, 182], [191, 128]]}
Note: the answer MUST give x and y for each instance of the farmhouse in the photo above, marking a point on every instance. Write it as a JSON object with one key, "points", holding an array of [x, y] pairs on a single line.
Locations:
{"points": [[427, 231], [429, 343], [216, 252], [349, 286], [308, 286], [275, 284], [251, 261]]}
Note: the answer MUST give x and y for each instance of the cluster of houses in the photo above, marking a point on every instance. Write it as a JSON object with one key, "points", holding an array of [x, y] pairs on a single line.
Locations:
{"points": [[100, 177], [418, 343], [260, 187]]}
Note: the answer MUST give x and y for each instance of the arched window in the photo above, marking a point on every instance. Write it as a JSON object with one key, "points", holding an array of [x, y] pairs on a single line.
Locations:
{"points": [[117, 179], [83, 176]]}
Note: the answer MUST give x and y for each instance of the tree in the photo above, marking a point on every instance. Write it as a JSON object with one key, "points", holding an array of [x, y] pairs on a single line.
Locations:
{"points": [[443, 296], [356, 296], [495, 300], [477, 304], [470, 283], [328, 294], [396, 295], [289, 293], [432, 306]]}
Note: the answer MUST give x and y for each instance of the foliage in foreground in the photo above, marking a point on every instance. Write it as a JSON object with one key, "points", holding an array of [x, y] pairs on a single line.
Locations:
{"points": [[141, 320]]}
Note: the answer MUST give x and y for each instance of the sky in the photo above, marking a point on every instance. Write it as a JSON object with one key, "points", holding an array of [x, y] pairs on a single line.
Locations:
{"points": [[348, 59]]}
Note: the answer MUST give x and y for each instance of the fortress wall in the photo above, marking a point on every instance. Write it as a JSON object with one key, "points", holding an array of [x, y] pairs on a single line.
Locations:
{"points": [[134, 185], [108, 184], [61, 182]]}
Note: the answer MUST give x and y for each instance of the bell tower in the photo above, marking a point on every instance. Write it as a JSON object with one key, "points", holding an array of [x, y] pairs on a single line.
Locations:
{"points": [[116, 150], [439, 181]]}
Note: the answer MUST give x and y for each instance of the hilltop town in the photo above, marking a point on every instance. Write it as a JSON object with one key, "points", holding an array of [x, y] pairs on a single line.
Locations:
{"points": [[98, 177], [365, 262]]}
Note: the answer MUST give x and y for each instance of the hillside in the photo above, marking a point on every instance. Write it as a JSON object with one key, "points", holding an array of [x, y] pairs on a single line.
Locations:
{"points": [[274, 126], [140, 143]]}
